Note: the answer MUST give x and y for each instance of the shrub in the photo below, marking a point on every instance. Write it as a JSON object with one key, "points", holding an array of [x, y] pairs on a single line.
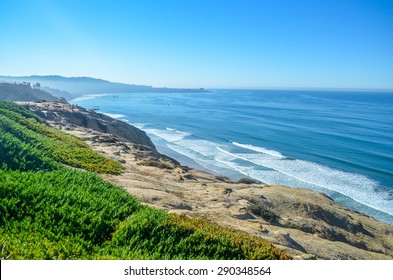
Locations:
{"points": [[158, 164], [153, 234], [223, 179], [266, 214], [248, 181]]}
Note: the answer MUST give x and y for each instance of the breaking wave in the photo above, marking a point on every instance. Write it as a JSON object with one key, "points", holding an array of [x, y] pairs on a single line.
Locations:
{"points": [[272, 167]]}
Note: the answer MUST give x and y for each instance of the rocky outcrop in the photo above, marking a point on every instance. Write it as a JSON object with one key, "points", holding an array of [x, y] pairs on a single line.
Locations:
{"points": [[73, 115], [313, 223]]}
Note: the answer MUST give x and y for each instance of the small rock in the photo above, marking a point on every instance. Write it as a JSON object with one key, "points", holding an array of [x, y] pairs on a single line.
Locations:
{"points": [[306, 257], [189, 177], [179, 178], [264, 230], [228, 191]]}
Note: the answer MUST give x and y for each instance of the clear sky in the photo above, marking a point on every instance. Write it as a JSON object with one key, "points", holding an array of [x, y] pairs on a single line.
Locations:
{"points": [[202, 43]]}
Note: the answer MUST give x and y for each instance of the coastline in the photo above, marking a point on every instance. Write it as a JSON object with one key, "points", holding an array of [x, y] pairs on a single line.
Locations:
{"points": [[183, 160], [306, 224], [265, 143]]}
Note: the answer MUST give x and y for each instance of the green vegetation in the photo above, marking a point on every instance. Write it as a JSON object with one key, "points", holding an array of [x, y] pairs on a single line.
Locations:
{"points": [[63, 214], [158, 164], [248, 181], [34, 135], [156, 235], [224, 179], [261, 211], [49, 211]]}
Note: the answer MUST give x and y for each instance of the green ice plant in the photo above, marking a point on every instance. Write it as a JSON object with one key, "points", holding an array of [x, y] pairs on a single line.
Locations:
{"points": [[49, 211]]}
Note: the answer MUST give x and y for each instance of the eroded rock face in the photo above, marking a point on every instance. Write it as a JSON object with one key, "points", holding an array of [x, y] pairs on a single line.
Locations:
{"points": [[75, 115], [313, 214]]}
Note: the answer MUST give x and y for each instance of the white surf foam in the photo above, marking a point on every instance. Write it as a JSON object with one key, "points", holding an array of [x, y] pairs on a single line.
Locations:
{"points": [[197, 147], [259, 149], [168, 135], [138, 125], [271, 167], [304, 174], [203, 147], [88, 96], [115, 116], [206, 161], [227, 153], [300, 173]]}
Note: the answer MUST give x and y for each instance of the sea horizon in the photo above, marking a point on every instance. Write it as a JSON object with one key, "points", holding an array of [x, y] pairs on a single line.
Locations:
{"points": [[315, 89]]}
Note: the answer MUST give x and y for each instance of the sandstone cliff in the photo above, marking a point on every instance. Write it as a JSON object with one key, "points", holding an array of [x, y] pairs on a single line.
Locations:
{"points": [[73, 115]]}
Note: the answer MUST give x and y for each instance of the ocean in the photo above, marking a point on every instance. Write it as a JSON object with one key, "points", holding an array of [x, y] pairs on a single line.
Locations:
{"points": [[336, 142]]}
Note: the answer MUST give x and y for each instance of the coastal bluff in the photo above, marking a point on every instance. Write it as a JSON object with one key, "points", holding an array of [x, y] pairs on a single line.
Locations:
{"points": [[304, 223], [25, 92], [73, 116]]}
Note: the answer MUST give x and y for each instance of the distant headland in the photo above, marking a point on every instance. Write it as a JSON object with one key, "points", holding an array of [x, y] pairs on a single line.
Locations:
{"points": [[71, 87]]}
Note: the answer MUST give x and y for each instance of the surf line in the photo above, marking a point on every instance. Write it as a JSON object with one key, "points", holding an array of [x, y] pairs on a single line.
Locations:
{"points": [[302, 180]]}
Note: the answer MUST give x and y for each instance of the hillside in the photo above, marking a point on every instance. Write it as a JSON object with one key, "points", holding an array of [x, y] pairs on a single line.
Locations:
{"points": [[303, 223], [58, 93], [53, 205], [24, 92], [77, 86], [78, 116]]}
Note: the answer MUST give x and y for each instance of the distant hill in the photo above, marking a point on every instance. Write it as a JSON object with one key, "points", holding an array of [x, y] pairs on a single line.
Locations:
{"points": [[58, 92], [24, 92], [77, 86]]}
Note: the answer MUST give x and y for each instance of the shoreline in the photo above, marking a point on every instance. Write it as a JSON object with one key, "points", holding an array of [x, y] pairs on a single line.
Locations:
{"points": [[274, 160], [304, 223], [184, 160], [343, 199]]}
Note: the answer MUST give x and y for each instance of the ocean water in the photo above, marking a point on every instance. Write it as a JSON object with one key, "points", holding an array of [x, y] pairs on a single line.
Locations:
{"points": [[339, 143]]}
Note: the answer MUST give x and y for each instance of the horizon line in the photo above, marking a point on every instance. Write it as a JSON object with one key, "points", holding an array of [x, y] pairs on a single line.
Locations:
{"points": [[303, 88], [222, 87]]}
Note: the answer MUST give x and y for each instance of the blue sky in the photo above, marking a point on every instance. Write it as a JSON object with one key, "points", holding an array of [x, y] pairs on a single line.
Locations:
{"points": [[198, 43]]}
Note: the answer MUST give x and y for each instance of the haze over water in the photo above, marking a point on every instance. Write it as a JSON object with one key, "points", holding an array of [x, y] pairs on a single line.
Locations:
{"points": [[339, 143]]}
